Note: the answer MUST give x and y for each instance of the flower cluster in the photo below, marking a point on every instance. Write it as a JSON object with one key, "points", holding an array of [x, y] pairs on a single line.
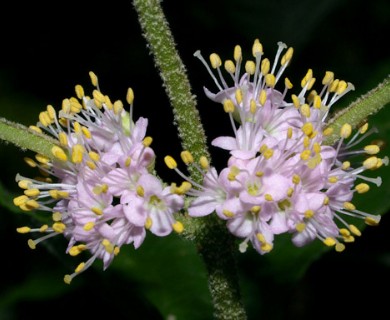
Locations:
{"points": [[280, 177], [104, 193]]}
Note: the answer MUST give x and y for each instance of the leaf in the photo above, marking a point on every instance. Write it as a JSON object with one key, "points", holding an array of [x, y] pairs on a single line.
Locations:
{"points": [[170, 274]]}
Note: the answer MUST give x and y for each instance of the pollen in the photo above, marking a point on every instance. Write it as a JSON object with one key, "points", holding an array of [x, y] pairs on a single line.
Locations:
{"points": [[354, 230], [77, 153], [330, 242], [204, 162], [327, 132], [140, 191], [300, 227], [250, 67], [305, 110], [170, 162], [228, 106], [238, 96], [59, 227], [89, 226], [345, 131], [370, 163], [187, 157], [372, 149], [130, 96], [270, 80], [268, 197], [59, 153], [262, 97], [237, 54], [215, 60], [148, 223], [372, 221], [309, 214], [362, 188], [257, 48], [287, 56], [307, 128], [23, 230], [229, 66], [328, 78], [97, 211], [178, 227]]}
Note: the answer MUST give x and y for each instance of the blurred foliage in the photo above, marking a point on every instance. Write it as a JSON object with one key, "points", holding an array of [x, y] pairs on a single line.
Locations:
{"points": [[48, 49]]}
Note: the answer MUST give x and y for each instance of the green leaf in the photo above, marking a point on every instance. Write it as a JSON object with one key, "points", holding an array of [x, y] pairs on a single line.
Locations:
{"points": [[170, 274]]}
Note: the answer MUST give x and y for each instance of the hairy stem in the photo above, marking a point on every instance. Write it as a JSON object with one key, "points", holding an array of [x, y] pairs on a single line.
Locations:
{"points": [[25, 138], [359, 110], [209, 234]]}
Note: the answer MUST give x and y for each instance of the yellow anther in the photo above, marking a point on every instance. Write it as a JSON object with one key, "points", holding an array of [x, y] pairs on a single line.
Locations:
{"points": [[35, 129], [255, 209], [288, 83], [263, 148], [54, 194], [287, 56], [329, 241], [250, 67], [349, 206], [215, 60], [63, 139], [346, 165], [290, 192], [259, 173], [187, 157], [328, 78], [32, 192], [204, 162], [305, 110], [326, 201], [300, 227], [31, 204], [234, 171], [305, 155], [117, 107], [77, 127], [252, 106], [268, 153], [20, 200], [147, 141], [317, 102], [308, 129], [148, 223], [263, 97], [296, 179], [372, 221], [309, 214], [341, 87], [170, 162], [228, 106], [284, 204], [257, 48], [266, 247], [86, 132], [79, 91], [116, 251], [344, 232], [354, 230], [237, 53], [270, 80], [370, 163], [261, 238], [23, 230], [289, 132], [362, 188], [65, 106], [372, 149], [349, 239], [31, 243], [333, 85], [295, 101], [98, 97], [307, 78], [24, 184], [327, 132], [80, 267], [44, 119], [51, 112], [75, 106], [333, 179], [108, 103], [94, 156], [339, 247], [89, 226], [130, 96], [77, 153], [238, 96], [178, 227], [363, 128], [56, 216], [127, 161], [108, 246], [314, 161], [265, 66], [316, 147], [268, 197], [58, 153], [229, 66], [76, 250], [94, 78], [58, 227], [97, 211], [345, 131], [140, 191], [68, 278]]}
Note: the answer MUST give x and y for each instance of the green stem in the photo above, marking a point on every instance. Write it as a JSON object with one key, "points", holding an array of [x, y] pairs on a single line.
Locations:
{"points": [[214, 243], [359, 110], [25, 138]]}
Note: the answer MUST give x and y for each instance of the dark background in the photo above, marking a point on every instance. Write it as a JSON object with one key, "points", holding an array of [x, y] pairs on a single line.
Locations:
{"points": [[47, 49]]}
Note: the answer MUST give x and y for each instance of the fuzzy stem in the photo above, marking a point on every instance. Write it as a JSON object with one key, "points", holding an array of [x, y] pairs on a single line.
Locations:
{"points": [[25, 138], [359, 110], [214, 243]]}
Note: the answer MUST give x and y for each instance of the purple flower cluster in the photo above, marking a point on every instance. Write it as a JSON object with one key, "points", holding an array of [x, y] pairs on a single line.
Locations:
{"points": [[280, 177], [104, 193]]}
